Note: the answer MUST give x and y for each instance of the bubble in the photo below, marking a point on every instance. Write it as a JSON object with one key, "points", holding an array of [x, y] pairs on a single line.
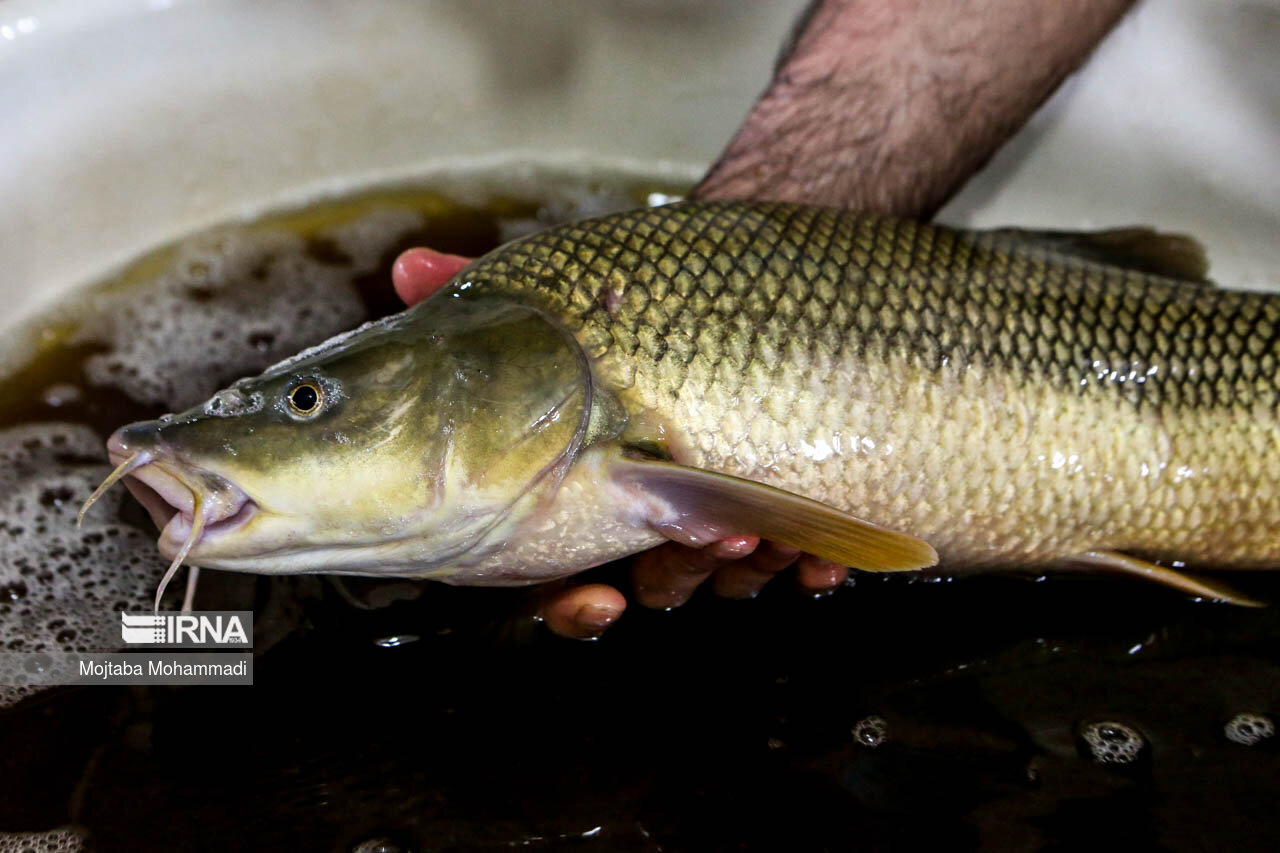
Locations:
{"points": [[60, 587], [871, 731], [64, 839], [61, 394], [1111, 742], [232, 402], [1249, 729]]}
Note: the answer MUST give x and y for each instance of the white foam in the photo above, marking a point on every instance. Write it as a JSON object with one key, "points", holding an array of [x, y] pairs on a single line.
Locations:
{"points": [[871, 731], [1112, 743], [64, 839], [233, 300], [60, 587], [1249, 729]]}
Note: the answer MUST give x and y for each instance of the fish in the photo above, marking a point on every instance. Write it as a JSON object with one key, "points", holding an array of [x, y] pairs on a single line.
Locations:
{"points": [[886, 394]]}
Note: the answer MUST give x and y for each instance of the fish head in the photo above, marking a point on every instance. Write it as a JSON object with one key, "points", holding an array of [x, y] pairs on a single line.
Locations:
{"points": [[397, 449]]}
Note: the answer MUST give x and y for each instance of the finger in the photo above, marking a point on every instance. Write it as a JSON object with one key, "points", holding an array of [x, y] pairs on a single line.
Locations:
{"points": [[418, 273], [817, 576], [582, 612], [745, 579], [666, 576]]}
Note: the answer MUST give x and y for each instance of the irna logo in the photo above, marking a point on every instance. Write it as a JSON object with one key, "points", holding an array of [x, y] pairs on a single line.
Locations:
{"points": [[185, 629]]}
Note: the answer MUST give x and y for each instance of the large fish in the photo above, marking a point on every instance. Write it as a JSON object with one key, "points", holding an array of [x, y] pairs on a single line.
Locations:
{"points": [[885, 394]]}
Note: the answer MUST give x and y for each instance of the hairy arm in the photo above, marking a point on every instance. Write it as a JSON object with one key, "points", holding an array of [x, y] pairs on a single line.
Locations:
{"points": [[888, 106]]}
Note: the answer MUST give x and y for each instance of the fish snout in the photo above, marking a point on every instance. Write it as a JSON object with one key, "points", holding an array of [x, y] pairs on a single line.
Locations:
{"points": [[134, 438], [174, 491]]}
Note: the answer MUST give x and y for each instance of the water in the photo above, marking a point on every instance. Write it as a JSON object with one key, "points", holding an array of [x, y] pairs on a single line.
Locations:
{"points": [[988, 713]]}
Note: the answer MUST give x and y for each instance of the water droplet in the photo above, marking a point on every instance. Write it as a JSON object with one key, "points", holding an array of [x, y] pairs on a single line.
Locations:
{"points": [[396, 640], [261, 341]]}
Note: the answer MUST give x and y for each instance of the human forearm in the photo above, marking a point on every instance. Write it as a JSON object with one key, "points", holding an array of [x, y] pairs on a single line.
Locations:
{"points": [[889, 105]]}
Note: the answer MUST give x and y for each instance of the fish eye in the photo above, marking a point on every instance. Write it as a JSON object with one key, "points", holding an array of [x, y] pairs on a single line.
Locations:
{"points": [[305, 399]]}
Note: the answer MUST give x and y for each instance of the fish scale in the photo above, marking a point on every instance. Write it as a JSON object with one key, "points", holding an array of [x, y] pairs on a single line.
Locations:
{"points": [[1005, 399]]}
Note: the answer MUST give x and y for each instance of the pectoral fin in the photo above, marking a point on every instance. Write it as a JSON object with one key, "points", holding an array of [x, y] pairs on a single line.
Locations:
{"points": [[1190, 584], [706, 505]]}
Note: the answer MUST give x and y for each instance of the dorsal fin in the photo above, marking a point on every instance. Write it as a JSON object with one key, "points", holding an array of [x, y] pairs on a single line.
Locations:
{"points": [[1137, 248]]}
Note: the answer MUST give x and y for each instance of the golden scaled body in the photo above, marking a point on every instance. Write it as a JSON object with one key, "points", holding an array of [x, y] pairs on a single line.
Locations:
{"points": [[1008, 400]]}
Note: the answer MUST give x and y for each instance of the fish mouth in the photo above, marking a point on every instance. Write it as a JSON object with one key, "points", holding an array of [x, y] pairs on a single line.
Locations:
{"points": [[172, 503]]}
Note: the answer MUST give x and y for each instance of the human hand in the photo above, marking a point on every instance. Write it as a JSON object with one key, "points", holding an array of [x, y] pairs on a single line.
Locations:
{"points": [[663, 577]]}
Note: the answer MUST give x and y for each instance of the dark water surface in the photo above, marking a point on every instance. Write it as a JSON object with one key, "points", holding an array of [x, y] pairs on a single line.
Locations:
{"points": [[892, 715]]}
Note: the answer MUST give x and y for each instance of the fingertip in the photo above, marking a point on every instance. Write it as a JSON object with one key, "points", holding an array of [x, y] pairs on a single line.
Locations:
{"points": [[404, 279], [583, 612], [420, 272], [734, 547], [817, 576], [592, 619]]}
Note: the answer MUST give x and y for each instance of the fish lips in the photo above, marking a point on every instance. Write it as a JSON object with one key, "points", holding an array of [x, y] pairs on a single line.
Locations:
{"points": [[170, 500]]}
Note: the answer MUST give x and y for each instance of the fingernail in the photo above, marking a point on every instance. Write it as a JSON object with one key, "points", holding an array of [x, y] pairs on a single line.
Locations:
{"points": [[595, 618]]}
